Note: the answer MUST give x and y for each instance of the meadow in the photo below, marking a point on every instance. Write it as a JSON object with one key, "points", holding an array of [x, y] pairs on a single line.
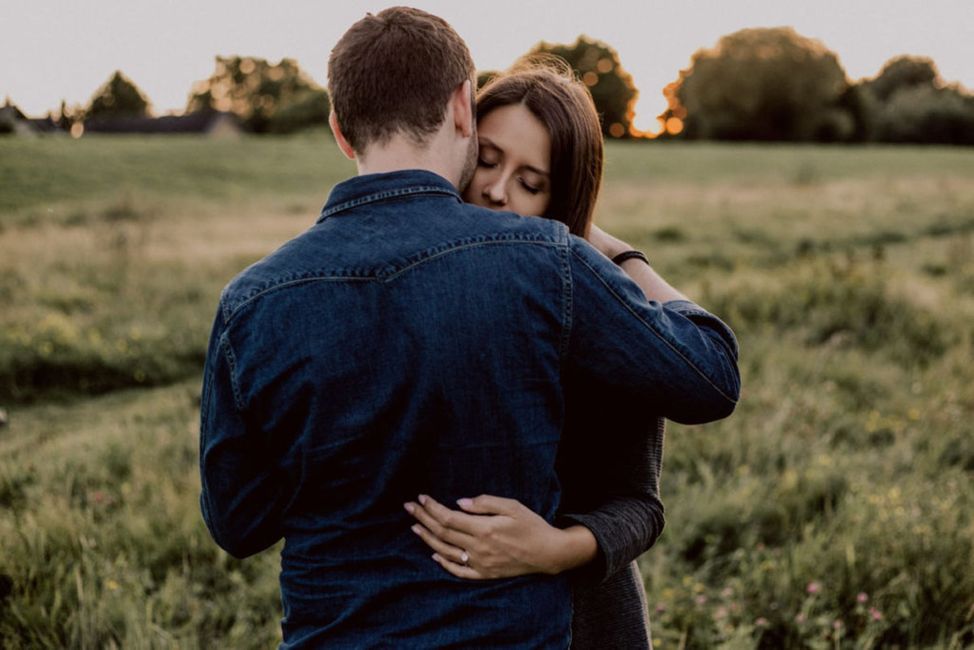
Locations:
{"points": [[834, 509]]}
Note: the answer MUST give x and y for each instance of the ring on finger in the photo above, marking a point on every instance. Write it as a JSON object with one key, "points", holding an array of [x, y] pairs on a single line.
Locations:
{"points": [[464, 558]]}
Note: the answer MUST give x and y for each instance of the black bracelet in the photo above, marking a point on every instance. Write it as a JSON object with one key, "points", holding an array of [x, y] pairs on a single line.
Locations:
{"points": [[630, 255]]}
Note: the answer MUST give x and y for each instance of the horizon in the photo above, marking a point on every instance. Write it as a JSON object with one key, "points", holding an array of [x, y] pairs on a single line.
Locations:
{"points": [[138, 32]]}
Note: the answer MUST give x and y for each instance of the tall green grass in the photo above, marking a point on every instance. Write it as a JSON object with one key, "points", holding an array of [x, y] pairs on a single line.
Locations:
{"points": [[833, 509]]}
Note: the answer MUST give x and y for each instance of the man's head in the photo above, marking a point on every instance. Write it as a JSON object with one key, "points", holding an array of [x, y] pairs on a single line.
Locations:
{"points": [[395, 74]]}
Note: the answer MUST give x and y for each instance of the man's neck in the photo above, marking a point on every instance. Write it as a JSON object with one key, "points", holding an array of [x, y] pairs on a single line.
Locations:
{"points": [[399, 153]]}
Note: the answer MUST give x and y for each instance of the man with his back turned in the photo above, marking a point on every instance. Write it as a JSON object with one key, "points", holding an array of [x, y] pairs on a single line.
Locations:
{"points": [[409, 343]]}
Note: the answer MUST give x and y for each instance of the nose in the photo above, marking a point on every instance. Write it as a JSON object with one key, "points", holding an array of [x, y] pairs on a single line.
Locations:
{"points": [[495, 192]]}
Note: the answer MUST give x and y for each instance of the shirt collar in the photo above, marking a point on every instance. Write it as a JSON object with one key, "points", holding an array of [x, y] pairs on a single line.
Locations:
{"points": [[368, 188]]}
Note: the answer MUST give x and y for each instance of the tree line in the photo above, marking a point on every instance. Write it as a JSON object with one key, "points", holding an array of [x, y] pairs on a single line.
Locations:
{"points": [[765, 84]]}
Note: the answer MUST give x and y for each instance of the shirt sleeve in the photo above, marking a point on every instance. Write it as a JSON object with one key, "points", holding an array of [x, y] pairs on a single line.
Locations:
{"points": [[242, 495], [680, 359]]}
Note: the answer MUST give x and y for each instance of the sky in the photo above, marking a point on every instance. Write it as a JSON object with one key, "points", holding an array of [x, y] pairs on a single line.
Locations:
{"points": [[57, 49]]}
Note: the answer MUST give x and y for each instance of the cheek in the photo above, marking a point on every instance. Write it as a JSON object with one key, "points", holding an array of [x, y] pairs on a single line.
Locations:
{"points": [[474, 192], [529, 205]]}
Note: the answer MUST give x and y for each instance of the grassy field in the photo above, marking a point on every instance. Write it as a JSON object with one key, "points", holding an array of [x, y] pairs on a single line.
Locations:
{"points": [[834, 509]]}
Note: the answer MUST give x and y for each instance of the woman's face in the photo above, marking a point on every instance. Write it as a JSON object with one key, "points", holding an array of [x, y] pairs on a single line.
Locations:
{"points": [[514, 163]]}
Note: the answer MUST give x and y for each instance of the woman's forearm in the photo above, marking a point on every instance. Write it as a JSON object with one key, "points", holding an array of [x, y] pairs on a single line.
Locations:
{"points": [[571, 548]]}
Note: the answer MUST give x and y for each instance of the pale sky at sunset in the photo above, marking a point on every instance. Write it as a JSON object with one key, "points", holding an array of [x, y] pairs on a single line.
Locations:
{"points": [[66, 49]]}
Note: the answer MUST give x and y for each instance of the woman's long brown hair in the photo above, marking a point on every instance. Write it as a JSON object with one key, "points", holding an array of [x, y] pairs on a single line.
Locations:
{"points": [[549, 89]]}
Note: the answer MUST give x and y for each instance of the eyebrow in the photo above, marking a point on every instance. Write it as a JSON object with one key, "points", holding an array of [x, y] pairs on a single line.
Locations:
{"points": [[490, 143]]}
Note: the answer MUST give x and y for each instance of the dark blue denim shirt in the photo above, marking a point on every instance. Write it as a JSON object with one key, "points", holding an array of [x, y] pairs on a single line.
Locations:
{"points": [[410, 343]]}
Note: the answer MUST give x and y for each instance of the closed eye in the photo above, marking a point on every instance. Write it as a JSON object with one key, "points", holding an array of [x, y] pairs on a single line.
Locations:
{"points": [[529, 187]]}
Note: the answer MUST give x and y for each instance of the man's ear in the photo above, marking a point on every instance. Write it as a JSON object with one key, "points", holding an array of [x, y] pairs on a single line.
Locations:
{"points": [[463, 109], [343, 144]]}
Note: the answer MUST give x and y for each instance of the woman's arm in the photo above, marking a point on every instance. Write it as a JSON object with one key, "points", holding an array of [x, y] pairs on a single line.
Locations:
{"points": [[611, 507]]}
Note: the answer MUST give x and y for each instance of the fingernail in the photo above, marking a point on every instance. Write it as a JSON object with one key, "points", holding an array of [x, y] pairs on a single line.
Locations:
{"points": [[464, 503], [436, 556], [409, 507], [422, 499], [415, 528]]}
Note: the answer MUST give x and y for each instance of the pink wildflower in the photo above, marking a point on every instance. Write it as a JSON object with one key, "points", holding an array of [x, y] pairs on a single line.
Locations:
{"points": [[700, 600], [761, 622], [875, 614], [800, 618], [813, 587], [837, 624], [660, 608], [862, 597]]}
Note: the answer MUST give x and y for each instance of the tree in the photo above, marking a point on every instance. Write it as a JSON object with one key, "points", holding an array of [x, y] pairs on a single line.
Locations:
{"points": [[256, 91], [762, 84], [117, 97], [599, 68], [903, 72], [924, 114]]}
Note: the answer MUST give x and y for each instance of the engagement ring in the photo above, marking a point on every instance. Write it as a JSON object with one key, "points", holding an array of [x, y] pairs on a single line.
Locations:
{"points": [[464, 558]]}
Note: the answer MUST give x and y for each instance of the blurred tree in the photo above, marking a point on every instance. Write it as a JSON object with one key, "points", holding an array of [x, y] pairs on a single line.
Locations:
{"points": [[309, 109], [67, 116], [925, 114], [761, 84], [903, 72], [117, 97], [255, 91], [908, 101], [599, 68]]}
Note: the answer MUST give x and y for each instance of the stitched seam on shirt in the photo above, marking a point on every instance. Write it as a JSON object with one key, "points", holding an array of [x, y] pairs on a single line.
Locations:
{"points": [[567, 295], [387, 194], [653, 329], [232, 362], [282, 285], [462, 247], [382, 278]]}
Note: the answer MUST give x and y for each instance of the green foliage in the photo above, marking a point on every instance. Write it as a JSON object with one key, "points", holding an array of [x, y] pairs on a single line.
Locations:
{"points": [[266, 97], [928, 115], [311, 110], [598, 66], [763, 84], [903, 72], [117, 97]]}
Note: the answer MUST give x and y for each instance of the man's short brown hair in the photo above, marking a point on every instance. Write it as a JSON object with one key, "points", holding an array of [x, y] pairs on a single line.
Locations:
{"points": [[393, 72]]}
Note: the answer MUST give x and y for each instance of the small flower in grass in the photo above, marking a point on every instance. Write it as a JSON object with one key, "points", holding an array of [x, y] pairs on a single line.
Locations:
{"points": [[111, 584], [660, 608], [727, 592], [800, 618], [837, 624], [102, 498], [701, 599], [875, 614], [761, 622], [862, 597], [813, 587]]}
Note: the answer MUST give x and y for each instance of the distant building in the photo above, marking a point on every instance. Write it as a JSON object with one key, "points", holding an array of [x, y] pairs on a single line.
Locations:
{"points": [[211, 123], [13, 121]]}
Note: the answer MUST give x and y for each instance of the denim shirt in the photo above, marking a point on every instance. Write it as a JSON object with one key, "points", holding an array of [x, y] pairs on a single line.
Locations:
{"points": [[409, 343]]}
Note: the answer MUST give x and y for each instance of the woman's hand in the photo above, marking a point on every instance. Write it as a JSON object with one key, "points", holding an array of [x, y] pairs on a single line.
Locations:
{"points": [[493, 537]]}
